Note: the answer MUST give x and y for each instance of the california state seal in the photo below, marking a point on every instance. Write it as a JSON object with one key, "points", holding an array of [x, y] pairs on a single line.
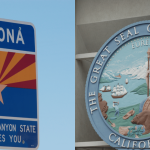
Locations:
{"points": [[118, 86]]}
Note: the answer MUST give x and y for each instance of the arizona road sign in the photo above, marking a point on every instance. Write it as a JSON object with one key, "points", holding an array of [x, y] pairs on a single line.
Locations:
{"points": [[18, 86]]}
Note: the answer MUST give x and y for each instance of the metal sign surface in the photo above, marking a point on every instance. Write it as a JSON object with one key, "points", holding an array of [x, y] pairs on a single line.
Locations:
{"points": [[117, 89], [18, 86]]}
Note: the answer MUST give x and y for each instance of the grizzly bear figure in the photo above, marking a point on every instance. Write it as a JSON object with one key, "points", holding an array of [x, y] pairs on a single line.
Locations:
{"points": [[143, 118]]}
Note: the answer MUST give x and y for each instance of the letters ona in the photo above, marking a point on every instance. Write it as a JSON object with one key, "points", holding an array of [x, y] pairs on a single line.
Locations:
{"points": [[10, 35]]}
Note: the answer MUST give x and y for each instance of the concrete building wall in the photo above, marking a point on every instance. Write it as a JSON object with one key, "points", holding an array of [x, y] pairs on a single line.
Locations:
{"points": [[92, 11], [96, 21]]}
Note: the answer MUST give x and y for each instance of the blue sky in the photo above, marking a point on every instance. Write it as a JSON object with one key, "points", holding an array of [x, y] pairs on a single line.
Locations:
{"points": [[54, 21]]}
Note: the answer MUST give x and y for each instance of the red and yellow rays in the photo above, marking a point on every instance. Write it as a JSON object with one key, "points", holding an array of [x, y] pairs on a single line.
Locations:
{"points": [[17, 70]]}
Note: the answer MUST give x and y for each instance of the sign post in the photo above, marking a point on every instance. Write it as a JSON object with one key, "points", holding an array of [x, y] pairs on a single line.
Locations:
{"points": [[19, 119]]}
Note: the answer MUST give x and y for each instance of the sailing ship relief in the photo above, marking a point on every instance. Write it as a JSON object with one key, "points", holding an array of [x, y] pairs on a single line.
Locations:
{"points": [[105, 89], [126, 81], [119, 91]]}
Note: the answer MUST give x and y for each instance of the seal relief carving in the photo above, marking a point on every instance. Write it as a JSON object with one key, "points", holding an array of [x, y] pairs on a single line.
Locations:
{"points": [[118, 88], [123, 85]]}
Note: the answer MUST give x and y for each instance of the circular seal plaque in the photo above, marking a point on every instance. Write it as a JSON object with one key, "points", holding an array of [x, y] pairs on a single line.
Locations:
{"points": [[118, 86]]}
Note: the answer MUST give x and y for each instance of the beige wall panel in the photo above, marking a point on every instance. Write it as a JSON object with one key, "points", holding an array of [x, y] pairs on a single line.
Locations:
{"points": [[96, 34], [79, 43], [100, 148], [83, 128], [91, 11]]}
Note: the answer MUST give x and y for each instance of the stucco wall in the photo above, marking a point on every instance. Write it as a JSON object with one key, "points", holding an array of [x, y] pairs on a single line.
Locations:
{"points": [[96, 21]]}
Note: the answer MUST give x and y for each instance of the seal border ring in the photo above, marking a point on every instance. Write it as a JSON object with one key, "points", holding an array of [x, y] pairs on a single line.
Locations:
{"points": [[99, 76]]}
